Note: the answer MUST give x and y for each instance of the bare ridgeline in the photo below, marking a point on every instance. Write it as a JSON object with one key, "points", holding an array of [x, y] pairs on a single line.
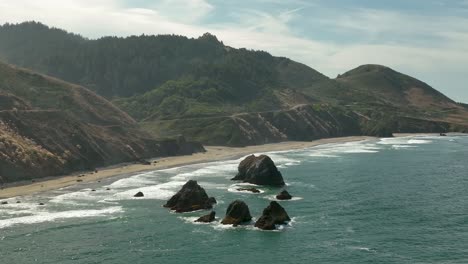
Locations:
{"points": [[260, 171]]}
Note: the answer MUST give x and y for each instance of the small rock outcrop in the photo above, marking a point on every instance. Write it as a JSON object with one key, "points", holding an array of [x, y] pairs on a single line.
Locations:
{"points": [[259, 170], [191, 197], [139, 194], [273, 215], [284, 195], [237, 213], [253, 190], [207, 218]]}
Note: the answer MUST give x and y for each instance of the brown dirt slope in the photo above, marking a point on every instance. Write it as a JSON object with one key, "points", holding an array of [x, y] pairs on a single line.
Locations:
{"points": [[50, 127]]}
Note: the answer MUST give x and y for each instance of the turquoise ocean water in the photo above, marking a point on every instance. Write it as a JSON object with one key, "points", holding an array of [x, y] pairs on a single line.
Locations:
{"points": [[399, 200]]}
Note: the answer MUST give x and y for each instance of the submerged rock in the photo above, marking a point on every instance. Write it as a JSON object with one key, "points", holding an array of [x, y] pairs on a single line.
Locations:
{"points": [[207, 218], [191, 197], [259, 170], [237, 213], [4, 202], [139, 194], [284, 195], [253, 190], [273, 215], [41, 204]]}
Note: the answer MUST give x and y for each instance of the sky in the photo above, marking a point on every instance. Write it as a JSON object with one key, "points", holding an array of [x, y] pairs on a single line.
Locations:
{"points": [[427, 39]]}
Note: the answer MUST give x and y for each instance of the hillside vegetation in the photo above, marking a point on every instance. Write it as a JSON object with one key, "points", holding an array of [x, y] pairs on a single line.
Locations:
{"points": [[216, 94], [50, 127]]}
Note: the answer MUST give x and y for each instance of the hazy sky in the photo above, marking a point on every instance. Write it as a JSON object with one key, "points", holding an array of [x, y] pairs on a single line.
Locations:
{"points": [[427, 39]]}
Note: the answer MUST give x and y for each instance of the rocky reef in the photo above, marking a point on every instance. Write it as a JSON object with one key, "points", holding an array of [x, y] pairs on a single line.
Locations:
{"points": [[207, 218], [139, 194], [284, 195]]}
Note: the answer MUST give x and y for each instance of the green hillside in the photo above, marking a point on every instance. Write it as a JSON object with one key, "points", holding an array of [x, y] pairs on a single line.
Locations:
{"points": [[216, 94]]}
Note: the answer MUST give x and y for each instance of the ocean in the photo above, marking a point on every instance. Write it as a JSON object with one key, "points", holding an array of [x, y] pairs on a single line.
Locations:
{"points": [[395, 200]]}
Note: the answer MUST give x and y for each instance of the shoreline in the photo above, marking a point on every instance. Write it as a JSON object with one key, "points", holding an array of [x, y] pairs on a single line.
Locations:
{"points": [[213, 153]]}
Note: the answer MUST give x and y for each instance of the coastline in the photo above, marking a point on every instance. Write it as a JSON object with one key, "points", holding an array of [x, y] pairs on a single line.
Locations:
{"points": [[213, 153]]}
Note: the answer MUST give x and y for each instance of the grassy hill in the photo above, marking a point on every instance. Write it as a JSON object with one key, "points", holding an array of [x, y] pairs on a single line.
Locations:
{"points": [[216, 94], [50, 127]]}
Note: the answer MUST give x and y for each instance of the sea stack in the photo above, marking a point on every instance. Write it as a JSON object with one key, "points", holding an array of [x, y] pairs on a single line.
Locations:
{"points": [[273, 215], [237, 213], [284, 195], [191, 197], [259, 170]]}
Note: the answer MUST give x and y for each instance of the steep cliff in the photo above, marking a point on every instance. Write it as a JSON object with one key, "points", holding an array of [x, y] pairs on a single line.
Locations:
{"points": [[49, 127]]}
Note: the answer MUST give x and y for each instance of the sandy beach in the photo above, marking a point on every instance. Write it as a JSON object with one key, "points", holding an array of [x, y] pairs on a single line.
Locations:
{"points": [[213, 153]]}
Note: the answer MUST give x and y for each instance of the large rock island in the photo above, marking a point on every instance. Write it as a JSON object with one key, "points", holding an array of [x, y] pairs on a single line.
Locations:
{"points": [[259, 170], [191, 197]]}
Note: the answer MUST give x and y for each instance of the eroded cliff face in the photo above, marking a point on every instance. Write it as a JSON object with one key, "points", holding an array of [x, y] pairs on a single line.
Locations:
{"points": [[49, 127], [303, 122], [36, 144]]}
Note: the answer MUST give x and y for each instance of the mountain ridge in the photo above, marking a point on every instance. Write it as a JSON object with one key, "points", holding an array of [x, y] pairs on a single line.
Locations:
{"points": [[177, 85]]}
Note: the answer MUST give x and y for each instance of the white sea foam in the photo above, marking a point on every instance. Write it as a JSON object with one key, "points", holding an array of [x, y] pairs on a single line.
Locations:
{"points": [[301, 184], [335, 150], [134, 181], [419, 141], [207, 170], [192, 219], [162, 191], [323, 154], [43, 216], [234, 188], [12, 209], [392, 141], [245, 226], [76, 198], [363, 249], [400, 146], [281, 160], [404, 141], [273, 198]]}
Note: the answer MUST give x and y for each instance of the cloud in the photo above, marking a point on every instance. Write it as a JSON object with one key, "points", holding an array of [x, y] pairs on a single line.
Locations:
{"points": [[186, 11]]}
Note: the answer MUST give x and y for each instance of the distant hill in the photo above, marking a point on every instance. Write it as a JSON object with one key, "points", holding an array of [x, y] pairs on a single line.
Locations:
{"points": [[219, 95], [121, 67], [398, 94], [50, 127]]}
